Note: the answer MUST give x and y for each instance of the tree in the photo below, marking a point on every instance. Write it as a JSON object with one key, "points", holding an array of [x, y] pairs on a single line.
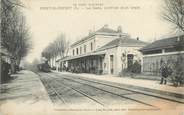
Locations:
{"points": [[174, 13], [14, 32], [57, 48]]}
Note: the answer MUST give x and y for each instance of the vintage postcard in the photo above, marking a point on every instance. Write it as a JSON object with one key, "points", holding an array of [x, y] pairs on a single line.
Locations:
{"points": [[120, 57]]}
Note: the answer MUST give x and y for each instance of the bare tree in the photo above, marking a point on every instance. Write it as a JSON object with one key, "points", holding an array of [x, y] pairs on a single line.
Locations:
{"points": [[14, 32], [57, 48], [174, 13]]}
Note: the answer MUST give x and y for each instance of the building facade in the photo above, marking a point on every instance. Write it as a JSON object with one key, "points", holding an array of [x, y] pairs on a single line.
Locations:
{"points": [[164, 51], [105, 51]]}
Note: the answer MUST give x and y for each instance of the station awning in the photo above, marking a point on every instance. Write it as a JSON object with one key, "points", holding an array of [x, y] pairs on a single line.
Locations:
{"points": [[63, 58], [83, 55]]}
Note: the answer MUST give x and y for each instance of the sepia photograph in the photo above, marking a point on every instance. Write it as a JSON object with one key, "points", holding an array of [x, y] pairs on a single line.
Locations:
{"points": [[86, 57]]}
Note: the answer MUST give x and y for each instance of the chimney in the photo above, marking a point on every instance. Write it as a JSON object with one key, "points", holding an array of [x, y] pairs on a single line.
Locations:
{"points": [[119, 29], [137, 38]]}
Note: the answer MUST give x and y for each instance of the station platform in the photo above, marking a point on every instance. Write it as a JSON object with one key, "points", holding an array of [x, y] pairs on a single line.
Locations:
{"points": [[24, 94]]}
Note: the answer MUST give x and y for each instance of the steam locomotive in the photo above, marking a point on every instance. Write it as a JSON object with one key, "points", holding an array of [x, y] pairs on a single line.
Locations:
{"points": [[44, 67]]}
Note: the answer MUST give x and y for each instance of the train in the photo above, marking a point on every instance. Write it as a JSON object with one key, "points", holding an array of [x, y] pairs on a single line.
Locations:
{"points": [[44, 67]]}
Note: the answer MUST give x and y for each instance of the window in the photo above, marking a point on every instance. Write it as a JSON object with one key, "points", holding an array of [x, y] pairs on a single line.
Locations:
{"points": [[91, 46], [80, 50], [73, 52], [84, 48], [77, 51]]}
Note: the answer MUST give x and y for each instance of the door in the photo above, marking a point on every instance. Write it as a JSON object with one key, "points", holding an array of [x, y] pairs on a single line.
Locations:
{"points": [[111, 64], [130, 58]]}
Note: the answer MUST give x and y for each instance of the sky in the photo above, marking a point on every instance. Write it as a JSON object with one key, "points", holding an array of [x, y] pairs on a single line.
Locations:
{"points": [[49, 18]]}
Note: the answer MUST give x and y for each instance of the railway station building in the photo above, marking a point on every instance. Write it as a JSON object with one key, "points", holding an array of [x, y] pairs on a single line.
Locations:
{"points": [[164, 51], [105, 51]]}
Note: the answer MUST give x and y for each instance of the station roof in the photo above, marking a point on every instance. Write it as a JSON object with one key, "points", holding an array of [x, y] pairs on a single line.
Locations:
{"points": [[123, 41], [102, 31], [164, 43]]}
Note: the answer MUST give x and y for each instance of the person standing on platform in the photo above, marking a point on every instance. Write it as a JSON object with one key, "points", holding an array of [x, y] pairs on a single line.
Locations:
{"points": [[164, 74]]}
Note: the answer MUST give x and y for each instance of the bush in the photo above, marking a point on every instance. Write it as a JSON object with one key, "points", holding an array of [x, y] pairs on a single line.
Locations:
{"points": [[177, 78], [132, 70], [135, 68]]}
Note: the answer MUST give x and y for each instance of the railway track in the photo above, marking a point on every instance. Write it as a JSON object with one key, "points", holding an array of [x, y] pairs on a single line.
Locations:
{"points": [[71, 82], [97, 82], [58, 91], [97, 92], [52, 92], [86, 95], [110, 92]]}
